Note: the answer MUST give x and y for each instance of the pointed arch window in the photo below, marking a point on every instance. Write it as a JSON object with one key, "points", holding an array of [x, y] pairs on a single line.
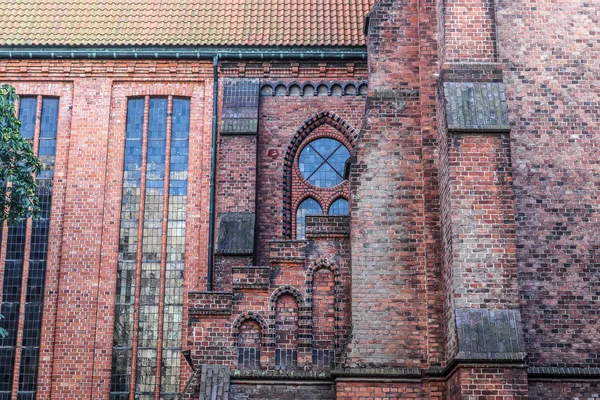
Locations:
{"points": [[307, 207], [339, 207]]}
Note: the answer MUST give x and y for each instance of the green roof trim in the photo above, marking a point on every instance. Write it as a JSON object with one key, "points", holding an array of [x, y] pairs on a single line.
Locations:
{"points": [[185, 53]]}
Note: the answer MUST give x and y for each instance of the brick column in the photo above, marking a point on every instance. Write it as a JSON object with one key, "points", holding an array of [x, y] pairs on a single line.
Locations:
{"points": [[387, 235], [77, 302], [483, 321]]}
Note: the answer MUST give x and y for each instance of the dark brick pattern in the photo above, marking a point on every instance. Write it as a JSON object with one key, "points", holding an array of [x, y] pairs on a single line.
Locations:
{"points": [[553, 97], [564, 390], [281, 391]]}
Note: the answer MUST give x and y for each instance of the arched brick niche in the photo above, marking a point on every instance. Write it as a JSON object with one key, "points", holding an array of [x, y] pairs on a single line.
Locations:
{"points": [[287, 308], [326, 298], [286, 332], [326, 124], [250, 331]]}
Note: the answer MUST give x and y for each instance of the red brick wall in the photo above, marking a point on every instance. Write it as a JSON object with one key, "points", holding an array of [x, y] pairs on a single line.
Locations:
{"points": [[77, 307], [469, 30], [323, 316], [551, 52], [482, 383], [383, 391], [564, 390], [236, 175], [481, 214], [286, 322]]}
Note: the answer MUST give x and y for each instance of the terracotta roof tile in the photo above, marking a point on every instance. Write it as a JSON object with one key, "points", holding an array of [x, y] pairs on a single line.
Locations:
{"points": [[183, 22]]}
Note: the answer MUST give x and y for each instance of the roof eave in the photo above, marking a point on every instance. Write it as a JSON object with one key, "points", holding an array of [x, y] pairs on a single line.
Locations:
{"points": [[186, 52]]}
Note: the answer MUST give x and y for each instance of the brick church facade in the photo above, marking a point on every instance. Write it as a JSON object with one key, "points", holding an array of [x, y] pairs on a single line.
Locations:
{"points": [[393, 199]]}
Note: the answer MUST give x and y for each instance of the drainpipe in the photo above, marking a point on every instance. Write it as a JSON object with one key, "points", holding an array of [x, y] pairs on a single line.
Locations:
{"points": [[213, 177]]}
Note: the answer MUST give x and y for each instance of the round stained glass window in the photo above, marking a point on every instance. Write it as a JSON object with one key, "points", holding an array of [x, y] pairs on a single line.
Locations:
{"points": [[322, 162]]}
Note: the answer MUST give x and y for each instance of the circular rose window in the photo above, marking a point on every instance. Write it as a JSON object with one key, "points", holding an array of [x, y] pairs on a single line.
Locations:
{"points": [[322, 161]]}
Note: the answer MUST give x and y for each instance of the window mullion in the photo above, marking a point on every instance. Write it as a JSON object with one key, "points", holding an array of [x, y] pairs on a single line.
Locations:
{"points": [[138, 259], [25, 269], [328, 163], [163, 248], [316, 169]]}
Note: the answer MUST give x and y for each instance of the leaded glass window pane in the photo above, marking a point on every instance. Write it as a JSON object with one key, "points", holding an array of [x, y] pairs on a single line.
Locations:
{"points": [[152, 230], [339, 207], [322, 161], [307, 207]]}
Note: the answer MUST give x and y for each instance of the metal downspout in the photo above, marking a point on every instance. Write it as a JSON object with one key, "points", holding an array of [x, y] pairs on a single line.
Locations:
{"points": [[213, 173]]}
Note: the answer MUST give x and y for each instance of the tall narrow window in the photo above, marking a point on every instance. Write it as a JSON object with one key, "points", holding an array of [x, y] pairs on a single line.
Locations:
{"points": [[33, 238], [148, 309]]}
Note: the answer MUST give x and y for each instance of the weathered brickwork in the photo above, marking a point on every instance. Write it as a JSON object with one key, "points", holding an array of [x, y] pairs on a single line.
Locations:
{"points": [[470, 253], [469, 30], [564, 390], [551, 74], [387, 235], [488, 383], [281, 391], [383, 391]]}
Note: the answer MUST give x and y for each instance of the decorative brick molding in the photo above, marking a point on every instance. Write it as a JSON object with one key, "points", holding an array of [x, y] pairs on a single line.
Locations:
{"points": [[322, 88], [267, 339], [348, 134]]}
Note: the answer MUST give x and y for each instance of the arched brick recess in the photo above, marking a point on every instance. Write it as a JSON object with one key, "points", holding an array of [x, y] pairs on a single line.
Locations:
{"points": [[252, 315], [249, 345], [303, 313], [286, 332], [317, 312], [323, 317], [348, 135]]}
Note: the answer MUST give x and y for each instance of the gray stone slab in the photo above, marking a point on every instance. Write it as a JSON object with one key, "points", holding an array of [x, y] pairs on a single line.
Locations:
{"points": [[489, 333], [236, 234], [476, 107], [214, 384]]}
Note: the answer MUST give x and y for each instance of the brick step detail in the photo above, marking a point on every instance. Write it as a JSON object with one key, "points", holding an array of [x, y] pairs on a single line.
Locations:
{"points": [[251, 277], [210, 303], [287, 251], [214, 382]]}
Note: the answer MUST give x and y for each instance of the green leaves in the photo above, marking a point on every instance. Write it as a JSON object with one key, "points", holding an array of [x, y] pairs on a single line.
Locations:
{"points": [[3, 332], [17, 164]]}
